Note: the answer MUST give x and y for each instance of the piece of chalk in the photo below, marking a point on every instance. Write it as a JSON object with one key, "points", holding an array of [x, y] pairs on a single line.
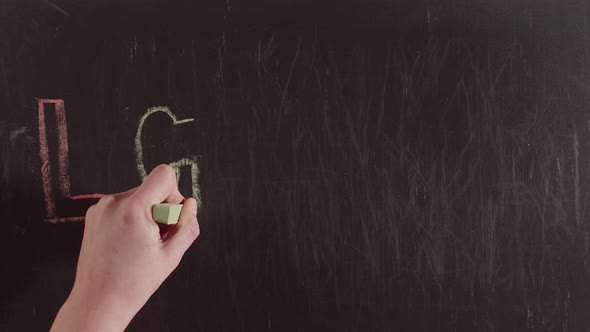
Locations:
{"points": [[166, 213]]}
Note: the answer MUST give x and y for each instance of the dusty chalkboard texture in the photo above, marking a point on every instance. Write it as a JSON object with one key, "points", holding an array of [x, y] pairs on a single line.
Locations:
{"points": [[361, 165]]}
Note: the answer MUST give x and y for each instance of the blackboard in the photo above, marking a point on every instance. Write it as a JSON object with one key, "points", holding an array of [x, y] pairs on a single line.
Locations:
{"points": [[361, 166]]}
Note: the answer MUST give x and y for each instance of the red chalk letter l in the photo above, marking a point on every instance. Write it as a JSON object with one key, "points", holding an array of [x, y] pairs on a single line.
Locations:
{"points": [[62, 154]]}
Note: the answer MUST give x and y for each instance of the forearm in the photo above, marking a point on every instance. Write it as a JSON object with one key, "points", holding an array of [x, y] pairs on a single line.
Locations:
{"points": [[83, 314]]}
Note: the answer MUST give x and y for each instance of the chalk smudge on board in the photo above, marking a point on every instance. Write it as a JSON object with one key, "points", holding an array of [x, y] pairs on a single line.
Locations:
{"points": [[56, 7], [14, 138], [15, 133]]}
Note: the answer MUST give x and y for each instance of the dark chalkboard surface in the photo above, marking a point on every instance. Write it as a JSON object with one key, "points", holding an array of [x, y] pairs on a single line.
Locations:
{"points": [[361, 165]]}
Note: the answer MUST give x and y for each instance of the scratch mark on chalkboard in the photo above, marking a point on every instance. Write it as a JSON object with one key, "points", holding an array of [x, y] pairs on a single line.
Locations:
{"points": [[284, 97], [4, 74], [133, 49], [56, 7], [194, 72], [220, 69], [177, 165], [169, 76], [428, 19]]}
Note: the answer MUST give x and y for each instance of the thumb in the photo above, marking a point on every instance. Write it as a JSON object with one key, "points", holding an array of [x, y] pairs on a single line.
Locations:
{"points": [[184, 233]]}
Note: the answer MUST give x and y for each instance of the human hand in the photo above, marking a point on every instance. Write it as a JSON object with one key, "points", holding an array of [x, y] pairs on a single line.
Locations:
{"points": [[125, 255]]}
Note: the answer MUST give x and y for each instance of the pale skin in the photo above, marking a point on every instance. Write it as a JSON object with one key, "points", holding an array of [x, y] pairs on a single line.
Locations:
{"points": [[125, 255]]}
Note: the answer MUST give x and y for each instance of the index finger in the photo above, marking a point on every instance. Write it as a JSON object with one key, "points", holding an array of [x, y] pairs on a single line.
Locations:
{"points": [[159, 186]]}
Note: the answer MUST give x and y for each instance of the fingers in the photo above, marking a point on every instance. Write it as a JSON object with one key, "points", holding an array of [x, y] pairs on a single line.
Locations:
{"points": [[184, 233], [159, 186]]}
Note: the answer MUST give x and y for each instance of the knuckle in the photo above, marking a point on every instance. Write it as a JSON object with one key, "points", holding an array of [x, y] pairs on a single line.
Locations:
{"points": [[132, 211], [106, 200], [175, 261], [194, 229], [168, 172], [91, 212], [173, 257], [164, 168]]}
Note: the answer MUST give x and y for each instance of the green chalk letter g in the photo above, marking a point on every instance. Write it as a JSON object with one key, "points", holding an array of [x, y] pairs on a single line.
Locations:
{"points": [[176, 165]]}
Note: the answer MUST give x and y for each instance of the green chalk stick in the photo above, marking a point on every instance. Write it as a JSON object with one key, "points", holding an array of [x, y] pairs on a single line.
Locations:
{"points": [[166, 213]]}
